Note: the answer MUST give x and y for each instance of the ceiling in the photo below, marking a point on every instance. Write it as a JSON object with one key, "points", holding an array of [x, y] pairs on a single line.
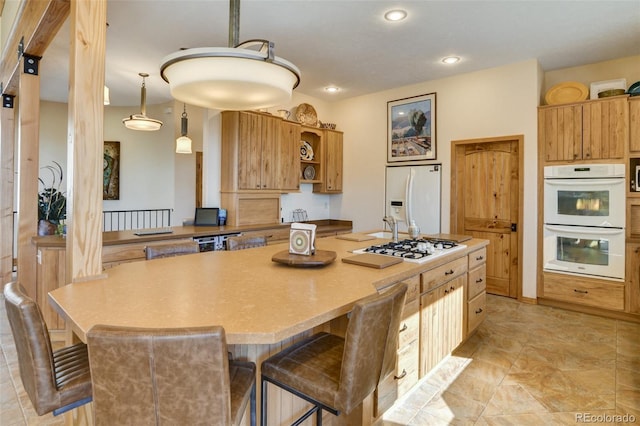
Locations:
{"points": [[350, 45]]}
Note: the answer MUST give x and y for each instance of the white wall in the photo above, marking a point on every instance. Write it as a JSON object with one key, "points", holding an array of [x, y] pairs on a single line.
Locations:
{"points": [[495, 102]]}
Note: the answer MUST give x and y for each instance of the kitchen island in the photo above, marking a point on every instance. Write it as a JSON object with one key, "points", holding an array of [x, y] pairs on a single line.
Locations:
{"points": [[263, 306]]}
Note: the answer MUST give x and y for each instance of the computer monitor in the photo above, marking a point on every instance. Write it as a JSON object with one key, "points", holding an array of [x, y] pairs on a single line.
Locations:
{"points": [[206, 216]]}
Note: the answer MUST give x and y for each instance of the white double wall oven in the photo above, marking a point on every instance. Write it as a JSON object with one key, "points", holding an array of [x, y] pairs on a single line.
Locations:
{"points": [[584, 220]]}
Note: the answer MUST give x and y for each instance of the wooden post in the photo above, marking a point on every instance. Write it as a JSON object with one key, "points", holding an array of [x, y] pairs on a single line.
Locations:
{"points": [[85, 143], [7, 148], [28, 168]]}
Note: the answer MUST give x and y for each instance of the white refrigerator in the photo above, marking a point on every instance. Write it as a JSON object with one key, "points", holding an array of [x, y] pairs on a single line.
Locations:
{"points": [[413, 193]]}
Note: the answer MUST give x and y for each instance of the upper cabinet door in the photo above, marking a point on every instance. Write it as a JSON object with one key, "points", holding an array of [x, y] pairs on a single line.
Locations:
{"points": [[333, 156], [249, 151], [605, 130], [560, 132]]}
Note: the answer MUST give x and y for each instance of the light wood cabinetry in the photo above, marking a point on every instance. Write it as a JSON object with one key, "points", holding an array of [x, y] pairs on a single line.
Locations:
{"points": [[327, 161], [476, 291], [332, 147], [632, 296], [590, 130], [442, 306], [250, 151], [289, 156], [405, 375]]}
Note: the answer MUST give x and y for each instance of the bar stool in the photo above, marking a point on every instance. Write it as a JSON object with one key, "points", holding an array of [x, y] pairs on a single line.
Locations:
{"points": [[336, 374], [171, 249], [56, 381], [167, 376], [246, 241]]}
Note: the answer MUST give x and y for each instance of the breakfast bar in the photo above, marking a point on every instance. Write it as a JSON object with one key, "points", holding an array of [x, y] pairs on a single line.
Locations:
{"points": [[263, 305]]}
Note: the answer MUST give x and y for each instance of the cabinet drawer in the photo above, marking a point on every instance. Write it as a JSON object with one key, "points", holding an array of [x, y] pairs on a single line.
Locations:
{"points": [[476, 311], [410, 324], [592, 292], [477, 257], [398, 382], [441, 274], [274, 235], [407, 368], [477, 281]]}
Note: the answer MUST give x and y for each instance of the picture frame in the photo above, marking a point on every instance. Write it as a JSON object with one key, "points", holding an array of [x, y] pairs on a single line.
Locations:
{"points": [[111, 171], [411, 128]]}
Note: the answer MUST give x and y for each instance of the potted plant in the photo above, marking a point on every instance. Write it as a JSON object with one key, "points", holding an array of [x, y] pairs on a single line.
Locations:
{"points": [[52, 203]]}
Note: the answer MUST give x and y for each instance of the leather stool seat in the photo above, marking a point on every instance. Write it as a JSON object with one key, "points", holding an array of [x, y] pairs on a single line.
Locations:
{"points": [[336, 374], [171, 249]]}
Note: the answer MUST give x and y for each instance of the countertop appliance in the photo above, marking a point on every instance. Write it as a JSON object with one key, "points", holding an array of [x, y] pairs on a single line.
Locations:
{"points": [[415, 251], [213, 242], [413, 193]]}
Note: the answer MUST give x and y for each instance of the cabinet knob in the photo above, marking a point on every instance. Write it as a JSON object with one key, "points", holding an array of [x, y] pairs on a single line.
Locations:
{"points": [[479, 257], [449, 272], [479, 311], [404, 328], [446, 292], [479, 280], [580, 291], [401, 376]]}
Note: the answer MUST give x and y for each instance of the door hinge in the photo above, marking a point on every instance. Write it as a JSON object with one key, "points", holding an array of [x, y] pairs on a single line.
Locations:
{"points": [[514, 227]]}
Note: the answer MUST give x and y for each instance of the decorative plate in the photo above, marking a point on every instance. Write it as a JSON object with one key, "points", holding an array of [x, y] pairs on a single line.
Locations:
{"points": [[306, 114], [634, 89], [306, 152], [567, 92], [309, 173]]}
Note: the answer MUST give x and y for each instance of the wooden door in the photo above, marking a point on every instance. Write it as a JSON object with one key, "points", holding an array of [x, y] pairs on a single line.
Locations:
{"points": [[486, 203]]}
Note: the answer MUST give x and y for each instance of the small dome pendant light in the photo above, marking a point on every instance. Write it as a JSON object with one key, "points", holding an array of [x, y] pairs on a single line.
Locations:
{"points": [[141, 121], [183, 143]]}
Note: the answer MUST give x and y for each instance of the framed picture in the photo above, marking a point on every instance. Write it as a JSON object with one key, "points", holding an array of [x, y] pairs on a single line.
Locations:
{"points": [[412, 128], [111, 171]]}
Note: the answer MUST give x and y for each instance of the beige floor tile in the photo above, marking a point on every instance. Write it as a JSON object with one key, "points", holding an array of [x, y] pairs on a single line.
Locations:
{"points": [[628, 402], [512, 399], [627, 379], [448, 406]]}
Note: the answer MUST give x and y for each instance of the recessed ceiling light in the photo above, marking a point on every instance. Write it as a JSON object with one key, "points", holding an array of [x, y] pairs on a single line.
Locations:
{"points": [[451, 60], [395, 15], [332, 89]]}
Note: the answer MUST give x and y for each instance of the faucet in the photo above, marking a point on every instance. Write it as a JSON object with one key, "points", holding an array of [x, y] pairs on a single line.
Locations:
{"points": [[393, 224]]}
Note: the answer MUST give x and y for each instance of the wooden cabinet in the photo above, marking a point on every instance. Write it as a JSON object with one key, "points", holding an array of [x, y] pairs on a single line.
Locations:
{"points": [[250, 151], [476, 291], [331, 181], [591, 130], [584, 291], [326, 163], [405, 375], [634, 125], [289, 156], [442, 307], [632, 290]]}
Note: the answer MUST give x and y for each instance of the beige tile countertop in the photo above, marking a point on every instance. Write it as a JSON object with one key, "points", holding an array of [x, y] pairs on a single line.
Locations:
{"points": [[256, 300]]}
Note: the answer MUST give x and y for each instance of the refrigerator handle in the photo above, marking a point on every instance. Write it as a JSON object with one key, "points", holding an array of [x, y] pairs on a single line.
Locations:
{"points": [[407, 196]]}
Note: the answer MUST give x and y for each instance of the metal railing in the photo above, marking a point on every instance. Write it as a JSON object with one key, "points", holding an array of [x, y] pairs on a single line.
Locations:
{"points": [[120, 220]]}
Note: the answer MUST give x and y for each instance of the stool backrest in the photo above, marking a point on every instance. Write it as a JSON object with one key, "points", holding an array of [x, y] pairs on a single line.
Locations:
{"points": [[246, 241], [159, 376], [171, 249], [371, 342], [33, 346]]}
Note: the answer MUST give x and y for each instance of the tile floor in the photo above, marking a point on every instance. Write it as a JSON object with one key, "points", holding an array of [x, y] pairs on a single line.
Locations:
{"points": [[526, 365]]}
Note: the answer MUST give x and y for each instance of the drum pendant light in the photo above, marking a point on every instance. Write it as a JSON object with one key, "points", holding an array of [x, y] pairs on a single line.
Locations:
{"points": [[237, 77], [183, 143], [141, 121]]}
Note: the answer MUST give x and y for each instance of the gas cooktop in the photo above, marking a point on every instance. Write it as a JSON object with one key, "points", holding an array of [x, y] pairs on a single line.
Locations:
{"points": [[416, 251]]}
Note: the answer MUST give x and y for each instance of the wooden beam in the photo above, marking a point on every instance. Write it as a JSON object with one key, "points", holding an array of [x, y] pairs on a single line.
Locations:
{"points": [[85, 144], [36, 24], [7, 135], [28, 168]]}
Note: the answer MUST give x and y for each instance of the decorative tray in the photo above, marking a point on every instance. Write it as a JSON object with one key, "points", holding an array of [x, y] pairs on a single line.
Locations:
{"points": [[306, 114], [320, 258]]}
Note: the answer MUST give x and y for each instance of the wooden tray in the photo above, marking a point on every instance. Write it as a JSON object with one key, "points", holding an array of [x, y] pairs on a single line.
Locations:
{"points": [[372, 260], [321, 258]]}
